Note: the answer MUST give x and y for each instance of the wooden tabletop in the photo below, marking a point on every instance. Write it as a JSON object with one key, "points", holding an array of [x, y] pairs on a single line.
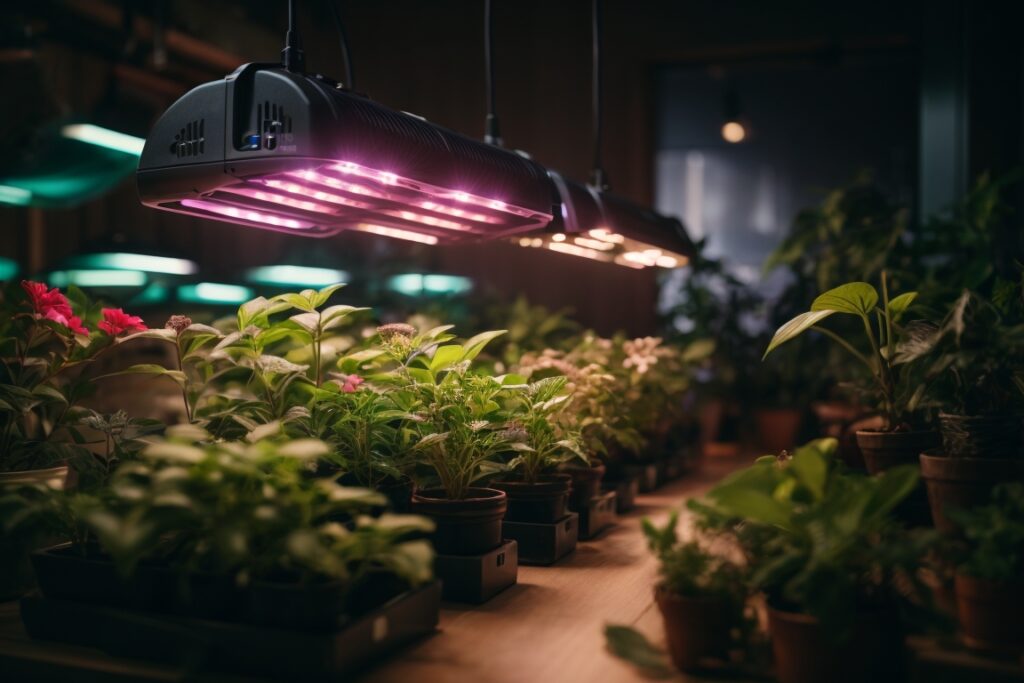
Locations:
{"points": [[547, 628]]}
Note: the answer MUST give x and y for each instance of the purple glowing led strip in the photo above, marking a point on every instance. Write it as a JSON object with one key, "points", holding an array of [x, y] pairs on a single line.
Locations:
{"points": [[345, 192]]}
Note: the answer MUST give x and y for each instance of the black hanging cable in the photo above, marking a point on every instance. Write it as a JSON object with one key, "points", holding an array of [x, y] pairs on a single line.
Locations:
{"points": [[492, 131], [292, 56], [599, 178], [343, 40]]}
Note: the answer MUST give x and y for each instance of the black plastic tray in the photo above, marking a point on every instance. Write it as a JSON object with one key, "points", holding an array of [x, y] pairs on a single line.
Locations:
{"points": [[647, 476], [597, 515], [478, 578], [544, 543], [626, 490], [201, 644]]}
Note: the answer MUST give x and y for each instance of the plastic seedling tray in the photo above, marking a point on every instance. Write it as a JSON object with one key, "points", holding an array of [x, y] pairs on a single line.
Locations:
{"points": [[626, 490], [597, 515], [544, 543], [234, 647], [478, 578]]}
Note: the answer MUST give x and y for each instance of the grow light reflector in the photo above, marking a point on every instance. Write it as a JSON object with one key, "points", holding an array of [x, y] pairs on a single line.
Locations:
{"points": [[282, 151]]}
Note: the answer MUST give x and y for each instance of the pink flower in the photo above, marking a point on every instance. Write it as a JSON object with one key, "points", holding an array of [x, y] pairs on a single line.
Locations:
{"points": [[52, 305], [351, 383], [116, 321]]}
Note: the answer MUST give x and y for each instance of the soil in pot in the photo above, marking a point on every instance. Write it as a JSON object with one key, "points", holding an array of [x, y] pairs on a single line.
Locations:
{"points": [[696, 628], [989, 613], [981, 436], [884, 450], [541, 502], [963, 483], [586, 482], [805, 652], [778, 429], [471, 526]]}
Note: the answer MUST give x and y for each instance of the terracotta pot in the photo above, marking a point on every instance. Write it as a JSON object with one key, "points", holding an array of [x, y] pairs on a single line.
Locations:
{"points": [[885, 450], [541, 502], [989, 613], [805, 652], [586, 482], [981, 436], [471, 526], [696, 628], [57, 478], [963, 483], [778, 428]]}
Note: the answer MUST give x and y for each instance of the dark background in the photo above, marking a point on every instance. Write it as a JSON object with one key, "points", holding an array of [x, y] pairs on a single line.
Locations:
{"points": [[926, 95]]}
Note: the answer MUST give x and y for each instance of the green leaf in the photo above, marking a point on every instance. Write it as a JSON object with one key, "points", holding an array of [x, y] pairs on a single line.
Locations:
{"points": [[794, 328], [899, 305], [335, 315], [446, 356], [151, 369], [50, 393], [155, 333], [629, 644], [475, 344], [856, 298], [321, 297]]}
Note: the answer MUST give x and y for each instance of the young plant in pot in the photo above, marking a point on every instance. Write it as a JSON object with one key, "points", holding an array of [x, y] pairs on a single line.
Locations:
{"points": [[977, 378], [701, 597], [235, 531], [540, 440], [895, 382], [990, 576], [833, 564], [459, 420]]}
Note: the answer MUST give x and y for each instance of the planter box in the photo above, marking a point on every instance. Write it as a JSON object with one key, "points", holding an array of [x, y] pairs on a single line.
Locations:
{"points": [[626, 491], [235, 647], [478, 578], [646, 475], [597, 515], [544, 543]]}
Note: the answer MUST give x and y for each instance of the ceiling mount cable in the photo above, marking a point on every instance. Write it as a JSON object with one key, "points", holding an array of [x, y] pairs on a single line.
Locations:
{"points": [[343, 40], [492, 131], [292, 56], [599, 178]]}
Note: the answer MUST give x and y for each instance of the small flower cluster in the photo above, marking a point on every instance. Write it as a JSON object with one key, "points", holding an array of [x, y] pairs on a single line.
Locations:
{"points": [[52, 305], [641, 353]]}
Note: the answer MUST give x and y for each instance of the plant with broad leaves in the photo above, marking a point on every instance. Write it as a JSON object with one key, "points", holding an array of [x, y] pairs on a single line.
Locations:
{"points": [[818, 540], [250, 510], [993, 546], [45, 344], [898, 394], [538, 432]]}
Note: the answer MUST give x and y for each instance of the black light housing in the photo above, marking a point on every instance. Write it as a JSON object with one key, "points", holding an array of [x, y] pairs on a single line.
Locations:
{"points": [[279, 150]]}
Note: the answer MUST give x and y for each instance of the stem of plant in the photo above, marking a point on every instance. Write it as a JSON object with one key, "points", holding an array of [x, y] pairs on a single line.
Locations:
{"points": [[184, 390]]}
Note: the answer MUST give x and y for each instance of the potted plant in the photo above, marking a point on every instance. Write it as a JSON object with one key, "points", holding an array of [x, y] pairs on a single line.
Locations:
{"points": [[832, 563], [977, 379], [541, 441], [459, 425], [893, 386], [232, 531], [700, 595], [990, 576]]}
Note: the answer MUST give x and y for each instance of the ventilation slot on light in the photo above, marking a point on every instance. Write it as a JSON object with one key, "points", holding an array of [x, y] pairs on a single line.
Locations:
{"points": [[190, 141]]}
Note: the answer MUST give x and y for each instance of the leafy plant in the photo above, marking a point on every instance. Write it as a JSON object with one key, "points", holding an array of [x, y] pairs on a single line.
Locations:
{"points": [[632, 646], [994, 535], [538, 433], [249, 510], [818, 540], [689, 570], [891, 383], [45, 343]]}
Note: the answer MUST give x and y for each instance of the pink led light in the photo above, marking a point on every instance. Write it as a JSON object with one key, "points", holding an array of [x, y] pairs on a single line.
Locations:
{"points": [[458, 213], [427, 220], [354, 188], [278, 199], [408, 235], [246, 214], [302, 190]]}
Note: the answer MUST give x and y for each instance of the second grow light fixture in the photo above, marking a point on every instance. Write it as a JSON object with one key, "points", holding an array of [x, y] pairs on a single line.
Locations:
{"points": [[270, 147]]}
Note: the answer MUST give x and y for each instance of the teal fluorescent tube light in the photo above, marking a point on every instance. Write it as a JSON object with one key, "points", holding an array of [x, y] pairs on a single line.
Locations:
{"points": [[214, 293], [143, 262], [8, 268], [415, 284], [14, 195], [104, 137], [97, 278], [296, 275]]}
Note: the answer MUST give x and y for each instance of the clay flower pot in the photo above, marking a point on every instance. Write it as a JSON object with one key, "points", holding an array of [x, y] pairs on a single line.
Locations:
{"points": [[471, 526], [981, 436], [696, 628], [989, 613], [540, 502], [805, 652], [884, 450], [963, 483], [778, 429]]}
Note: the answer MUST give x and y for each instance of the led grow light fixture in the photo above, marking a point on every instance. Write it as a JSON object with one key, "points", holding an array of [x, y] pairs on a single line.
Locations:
{"points": [[274, 149]]}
